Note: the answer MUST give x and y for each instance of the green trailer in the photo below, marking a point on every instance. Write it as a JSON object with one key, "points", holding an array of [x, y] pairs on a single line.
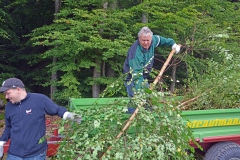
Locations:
{"points": [[217, 131]]}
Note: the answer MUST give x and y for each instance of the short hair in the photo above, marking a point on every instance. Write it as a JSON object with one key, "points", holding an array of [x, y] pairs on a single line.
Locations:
{"points": [[145, 31], [24, 89]]}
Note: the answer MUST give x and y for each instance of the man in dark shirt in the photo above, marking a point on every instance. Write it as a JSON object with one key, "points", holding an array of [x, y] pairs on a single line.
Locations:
{"points": [[25, 121]]}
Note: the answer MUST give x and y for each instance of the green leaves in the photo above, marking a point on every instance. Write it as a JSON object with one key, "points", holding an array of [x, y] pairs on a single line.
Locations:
{"points": [[219, 87], [85, 31], [151, 135], [78, 38]]}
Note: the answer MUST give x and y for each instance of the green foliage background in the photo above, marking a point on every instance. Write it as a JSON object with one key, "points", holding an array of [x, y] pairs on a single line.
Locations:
{"points": [[84, 35], [219, 86]]}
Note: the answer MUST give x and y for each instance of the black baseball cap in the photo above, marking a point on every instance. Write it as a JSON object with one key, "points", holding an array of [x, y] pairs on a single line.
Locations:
{"points": [[11, 83]]}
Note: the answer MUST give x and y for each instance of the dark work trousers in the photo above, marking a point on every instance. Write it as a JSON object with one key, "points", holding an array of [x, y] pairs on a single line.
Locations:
{"points": [[132, 86]]}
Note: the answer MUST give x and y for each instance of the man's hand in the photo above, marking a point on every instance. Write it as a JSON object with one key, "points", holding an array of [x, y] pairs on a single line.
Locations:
{"points": [[177, 47], [72, 116], [1, 148]]}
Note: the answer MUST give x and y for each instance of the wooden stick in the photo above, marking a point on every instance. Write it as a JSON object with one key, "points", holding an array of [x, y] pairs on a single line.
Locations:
{"points": [[159, 76], [137, 109], [186, 102]]}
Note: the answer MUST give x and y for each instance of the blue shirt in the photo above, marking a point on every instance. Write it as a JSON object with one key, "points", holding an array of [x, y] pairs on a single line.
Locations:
{"points": [[25, 124]]}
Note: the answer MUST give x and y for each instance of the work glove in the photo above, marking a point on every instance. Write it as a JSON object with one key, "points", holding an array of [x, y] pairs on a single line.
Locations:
{"points": [[72, 116], [176, 47], [1, 147]]}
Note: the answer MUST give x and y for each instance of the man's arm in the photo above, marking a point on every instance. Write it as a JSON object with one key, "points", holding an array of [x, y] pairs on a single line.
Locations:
{"points": [[162, 41], [166, 41], [52, 108]]}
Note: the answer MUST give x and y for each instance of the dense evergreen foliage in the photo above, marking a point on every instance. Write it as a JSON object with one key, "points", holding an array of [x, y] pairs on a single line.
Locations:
{"points": [[90, 39], [85, 43]]}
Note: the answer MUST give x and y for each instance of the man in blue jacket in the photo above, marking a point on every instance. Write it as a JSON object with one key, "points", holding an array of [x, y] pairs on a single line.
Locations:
{"points": [[140, 57], [25, 121]]}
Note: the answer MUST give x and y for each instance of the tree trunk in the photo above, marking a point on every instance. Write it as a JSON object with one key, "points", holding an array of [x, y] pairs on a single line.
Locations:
{"points": [[109, 71], [96, 74], [53, 88], [173, 82], [101, 66], [144, 18]]}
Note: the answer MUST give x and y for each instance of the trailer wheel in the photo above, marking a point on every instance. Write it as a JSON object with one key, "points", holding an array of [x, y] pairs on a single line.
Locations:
{"points": [[223, 151]]}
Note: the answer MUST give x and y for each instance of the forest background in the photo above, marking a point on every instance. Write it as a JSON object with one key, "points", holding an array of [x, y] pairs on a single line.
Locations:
{"points": [[76, 48]]}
